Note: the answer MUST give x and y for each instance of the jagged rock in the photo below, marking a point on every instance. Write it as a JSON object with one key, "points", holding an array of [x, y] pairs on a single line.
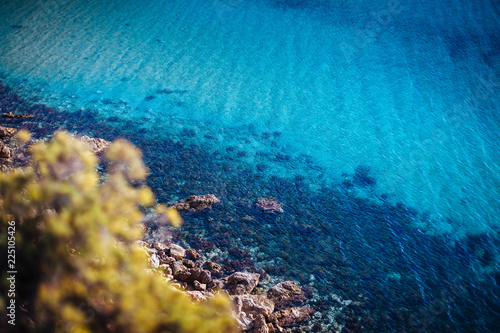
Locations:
{"points": [[275, 328], [177, 267], [166, 269], [202, 275], [183, 276], [291, 317], [205, 276], [150, 250], [254, 305], [199, 286], [199, 296], [240, 283], [188, 263], [286, 294], [196, 203], [247, 307], [7, 132], [193, 254], [259, 325], [154, 260], [5, 151], [216, 284], [269, 205], [96, 145], [214, 268], [161, 247], [177, 251], [165, 259]]}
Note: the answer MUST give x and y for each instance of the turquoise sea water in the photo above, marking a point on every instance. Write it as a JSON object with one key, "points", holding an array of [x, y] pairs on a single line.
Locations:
{"points": [[374, 122]]}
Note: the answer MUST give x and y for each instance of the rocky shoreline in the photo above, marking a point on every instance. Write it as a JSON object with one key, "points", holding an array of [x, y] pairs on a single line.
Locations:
{"points": [[276, 310]]}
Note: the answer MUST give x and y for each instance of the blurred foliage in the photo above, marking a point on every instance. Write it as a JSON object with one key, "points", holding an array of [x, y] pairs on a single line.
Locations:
{"points": [[79, 266]]}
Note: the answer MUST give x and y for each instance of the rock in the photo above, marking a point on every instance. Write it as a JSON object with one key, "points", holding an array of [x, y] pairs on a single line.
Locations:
{"points": [[201, 275], [196, 203], [193, 254], [7, 132], [286, 294], [291, 317], [199, 296], [166, 269], [183, 276], [154, 260], [165, 259], [274, 328], [199, 286], [259, 325], [18, 116], [96, 145], [205, 276], [150, 250], [269, 205], [216, 284], [246, 308], [177, 251], [188, 263], [161, 247], [254, 305], [5, 151], [240, 283], [177, 267], [214, 268]]}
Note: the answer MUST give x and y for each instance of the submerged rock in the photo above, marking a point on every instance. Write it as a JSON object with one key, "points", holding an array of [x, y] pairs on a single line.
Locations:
{"points": [[196, 203], [269, 205]]}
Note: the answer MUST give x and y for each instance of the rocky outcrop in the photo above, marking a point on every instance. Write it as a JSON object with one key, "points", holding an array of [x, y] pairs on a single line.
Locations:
{"points": [[248, 307], [196, 203], [96, 145], [286, 294], [269, 205], [240, 283], [7, 132], [257, 313], [291, 317]]}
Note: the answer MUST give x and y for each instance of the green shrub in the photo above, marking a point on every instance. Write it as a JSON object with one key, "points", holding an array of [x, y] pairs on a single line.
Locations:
{"points": [[79, 268]]}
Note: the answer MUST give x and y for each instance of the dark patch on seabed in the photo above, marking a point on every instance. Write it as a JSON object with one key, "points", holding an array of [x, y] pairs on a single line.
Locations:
{"points": [[399, 278]]}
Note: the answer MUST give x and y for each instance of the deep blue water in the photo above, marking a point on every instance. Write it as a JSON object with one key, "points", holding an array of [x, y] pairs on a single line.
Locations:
{"points": [[375, 123]]}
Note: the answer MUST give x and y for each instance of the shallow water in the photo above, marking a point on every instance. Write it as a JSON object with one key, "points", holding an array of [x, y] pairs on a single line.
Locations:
{"points": [[375, 123]]}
